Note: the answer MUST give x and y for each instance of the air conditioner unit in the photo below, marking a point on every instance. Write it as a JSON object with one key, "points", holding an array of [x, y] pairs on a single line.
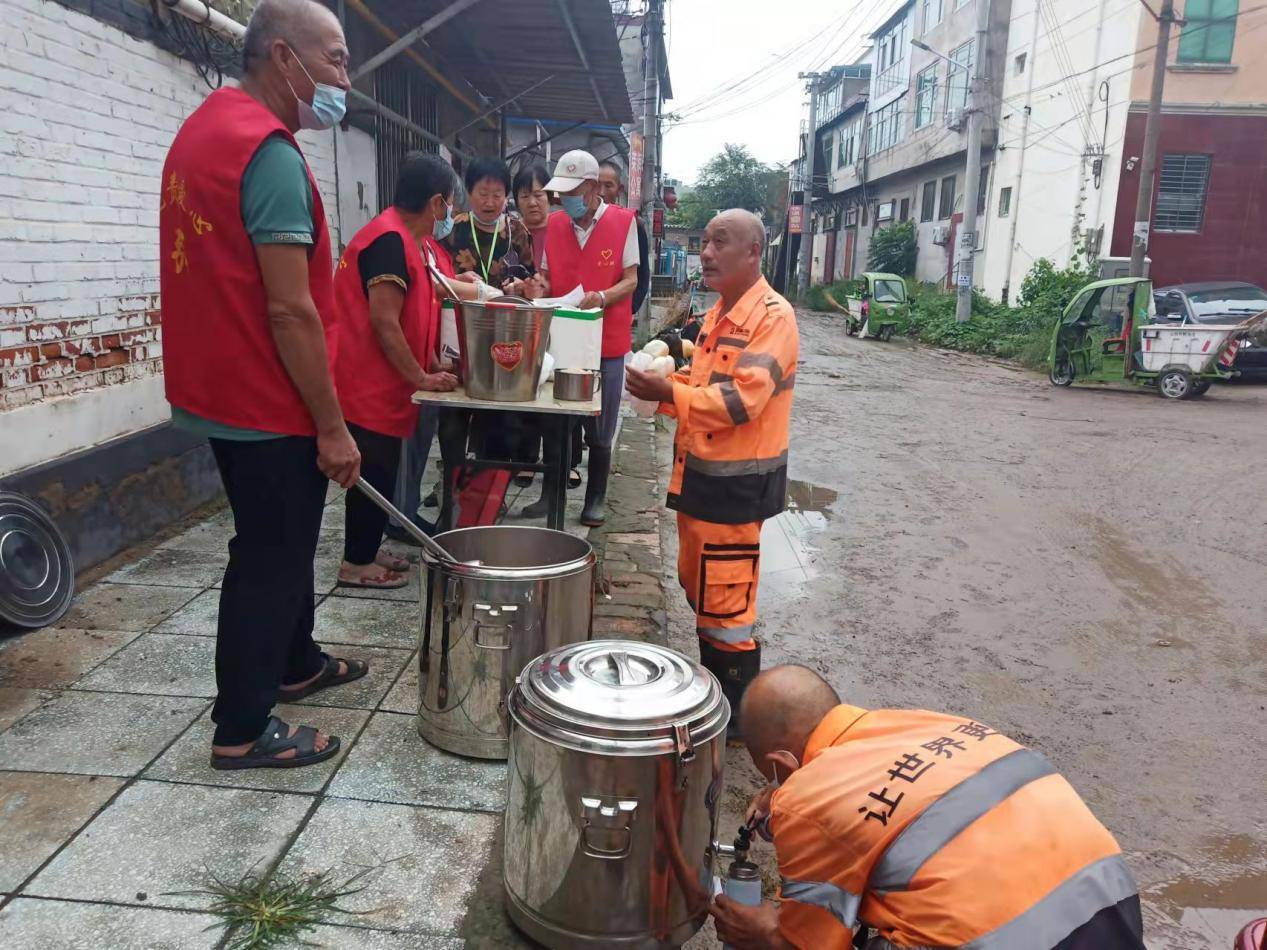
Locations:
{"points": [[956, 120], [941, 234]]}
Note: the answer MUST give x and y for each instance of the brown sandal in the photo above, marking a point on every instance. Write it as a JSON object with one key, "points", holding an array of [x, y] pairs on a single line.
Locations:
{"points": [[266, 751], [384, 580], [328, 677], [393, 563]]}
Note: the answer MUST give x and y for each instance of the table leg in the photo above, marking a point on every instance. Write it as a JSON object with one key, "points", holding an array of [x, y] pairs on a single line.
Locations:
{"points": [[446, 520], [559, 497]]}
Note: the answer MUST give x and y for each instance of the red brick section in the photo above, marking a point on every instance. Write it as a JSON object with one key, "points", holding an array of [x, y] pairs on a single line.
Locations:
{"points": [[40, 359]]}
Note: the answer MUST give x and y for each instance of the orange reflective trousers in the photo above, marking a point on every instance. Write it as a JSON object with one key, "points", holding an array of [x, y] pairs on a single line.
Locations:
{"points": [[718, 566]]}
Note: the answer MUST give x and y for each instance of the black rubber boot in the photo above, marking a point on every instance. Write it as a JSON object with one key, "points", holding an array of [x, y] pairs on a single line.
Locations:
{"points": [[541, 507], [735, 671], [594, 513]]}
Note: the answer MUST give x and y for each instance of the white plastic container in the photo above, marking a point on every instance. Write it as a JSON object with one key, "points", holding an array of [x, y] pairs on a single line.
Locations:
{"points": [[1194, 346], [576, 338]]}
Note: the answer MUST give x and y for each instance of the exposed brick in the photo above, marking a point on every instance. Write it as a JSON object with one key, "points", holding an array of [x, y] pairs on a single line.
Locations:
{"points": [[52, 369], [113, 358], [84, 364]]}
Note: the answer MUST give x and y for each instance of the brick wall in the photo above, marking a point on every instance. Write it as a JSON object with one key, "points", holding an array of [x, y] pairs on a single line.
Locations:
{"points": [[88, 114]]}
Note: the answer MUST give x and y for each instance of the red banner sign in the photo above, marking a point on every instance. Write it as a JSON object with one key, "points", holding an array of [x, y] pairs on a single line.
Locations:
{"points": [[796, 219], [634, 187]]}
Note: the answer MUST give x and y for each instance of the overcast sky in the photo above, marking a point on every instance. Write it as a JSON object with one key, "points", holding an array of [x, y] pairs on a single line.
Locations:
{"points": [[714, 42]]}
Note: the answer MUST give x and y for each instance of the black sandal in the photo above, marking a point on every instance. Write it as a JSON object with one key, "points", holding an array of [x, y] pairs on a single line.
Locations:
{"points": [[265, 752], [328, 678], [574, 478]]}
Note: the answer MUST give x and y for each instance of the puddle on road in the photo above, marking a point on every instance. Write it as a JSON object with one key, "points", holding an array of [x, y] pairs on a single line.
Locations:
{"points": [[787, 539], [1244, 888]]}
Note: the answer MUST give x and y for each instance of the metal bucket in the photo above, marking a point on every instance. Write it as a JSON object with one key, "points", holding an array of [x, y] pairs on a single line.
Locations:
{"points": [[616, 766], [481, 623], [502, 344]]}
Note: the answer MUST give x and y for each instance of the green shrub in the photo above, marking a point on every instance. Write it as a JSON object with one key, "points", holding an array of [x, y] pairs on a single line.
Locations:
{"points": [[893, 249], [839, 290]]}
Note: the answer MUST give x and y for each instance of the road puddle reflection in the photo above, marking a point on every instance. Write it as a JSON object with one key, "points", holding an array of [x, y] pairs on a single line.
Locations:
{"points": [[787, 540], [1214, 904]]}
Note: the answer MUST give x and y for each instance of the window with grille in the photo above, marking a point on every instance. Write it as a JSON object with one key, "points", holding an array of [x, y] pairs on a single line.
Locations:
{"points": [[928, 202], [1005, 202], [886, 128], [947, 198], [905, 211], [932, 13], [925, 96], [1181, 192], [1209, 31], [398, 86]]}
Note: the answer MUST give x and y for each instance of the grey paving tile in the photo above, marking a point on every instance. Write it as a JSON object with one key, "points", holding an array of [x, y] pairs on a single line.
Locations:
{"points": [[174, 567], [16, 703], [55, 657], [210, 537], [403, 697], [163, 840], [325, 573], [365, 693], [171, 665], [392, 763], [356, 937], [37, 924], [38, 812], [425, 861], [124, 606], [188, 760], [96, 733], [197, 618], [383, 623]]}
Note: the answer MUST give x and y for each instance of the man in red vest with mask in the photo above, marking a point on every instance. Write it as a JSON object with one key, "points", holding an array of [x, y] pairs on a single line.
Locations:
{"points": [[595, 246], [248, 341]]}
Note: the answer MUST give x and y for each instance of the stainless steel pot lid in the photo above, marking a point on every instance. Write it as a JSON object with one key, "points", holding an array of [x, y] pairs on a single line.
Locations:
{"points": [[620, 697], [37, 579]]}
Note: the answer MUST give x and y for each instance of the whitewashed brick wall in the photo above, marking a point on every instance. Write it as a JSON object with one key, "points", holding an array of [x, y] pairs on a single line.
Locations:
{"points": [[88, 113]]}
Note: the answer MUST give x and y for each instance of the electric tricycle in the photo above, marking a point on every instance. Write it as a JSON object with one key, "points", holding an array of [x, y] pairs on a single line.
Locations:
{"points": [[878, 308], [1105, 335]]}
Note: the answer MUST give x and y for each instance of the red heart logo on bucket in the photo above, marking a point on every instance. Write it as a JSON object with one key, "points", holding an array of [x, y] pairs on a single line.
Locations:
{"points": [[507, 355]]}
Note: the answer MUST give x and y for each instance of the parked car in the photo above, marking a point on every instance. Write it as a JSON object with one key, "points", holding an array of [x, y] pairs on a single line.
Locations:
{"points": [[1218, 302]]}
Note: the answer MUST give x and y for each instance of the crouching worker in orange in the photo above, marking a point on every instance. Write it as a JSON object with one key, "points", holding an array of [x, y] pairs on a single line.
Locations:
{"points": [[733, 405], [934, 830]]}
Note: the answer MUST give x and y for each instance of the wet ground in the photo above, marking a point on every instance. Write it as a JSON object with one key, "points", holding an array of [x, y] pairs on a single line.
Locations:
{"points": [[1084, 569]]}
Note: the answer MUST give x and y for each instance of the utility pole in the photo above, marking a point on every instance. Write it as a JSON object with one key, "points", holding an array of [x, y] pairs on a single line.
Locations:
{"points": [[972, 187], [807, 217], [1152, 132], [650, 113]]}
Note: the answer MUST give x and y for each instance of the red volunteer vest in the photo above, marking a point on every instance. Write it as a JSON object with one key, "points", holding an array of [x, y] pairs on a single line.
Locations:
{"points": [[372, 393], [219, 358], [597, 266]]}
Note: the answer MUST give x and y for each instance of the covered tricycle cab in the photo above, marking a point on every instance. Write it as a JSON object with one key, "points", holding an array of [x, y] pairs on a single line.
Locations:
{"points": [[879, 308]]}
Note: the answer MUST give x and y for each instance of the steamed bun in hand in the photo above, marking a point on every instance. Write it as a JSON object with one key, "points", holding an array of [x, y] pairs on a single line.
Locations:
{"points": [[657, 348]]}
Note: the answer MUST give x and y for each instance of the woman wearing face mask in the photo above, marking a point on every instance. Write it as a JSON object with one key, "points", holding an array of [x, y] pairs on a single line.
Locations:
{"points": [[389, 333]]}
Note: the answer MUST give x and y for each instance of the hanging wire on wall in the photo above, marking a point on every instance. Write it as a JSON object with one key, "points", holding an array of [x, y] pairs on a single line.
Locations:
{"points": [[210, 53]]}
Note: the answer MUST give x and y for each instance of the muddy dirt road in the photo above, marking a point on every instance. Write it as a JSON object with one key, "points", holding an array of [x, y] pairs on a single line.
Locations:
{"points": [[1084, 569]]}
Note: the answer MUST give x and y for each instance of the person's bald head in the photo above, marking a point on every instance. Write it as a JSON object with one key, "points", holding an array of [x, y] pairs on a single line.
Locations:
{"points": [[296, 22], [780, 710], [290, 46], [730, 258]]}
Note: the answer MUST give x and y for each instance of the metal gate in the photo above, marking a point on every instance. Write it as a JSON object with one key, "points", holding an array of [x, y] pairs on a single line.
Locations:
{"points": [[398, 87]]}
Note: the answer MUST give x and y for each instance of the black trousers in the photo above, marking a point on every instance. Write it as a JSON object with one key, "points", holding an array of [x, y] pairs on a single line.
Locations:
{"points": [[364, 521], [264, 631]]}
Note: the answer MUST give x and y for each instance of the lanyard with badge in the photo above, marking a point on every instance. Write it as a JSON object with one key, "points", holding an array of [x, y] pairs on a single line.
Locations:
{"points": [[486, 264]]}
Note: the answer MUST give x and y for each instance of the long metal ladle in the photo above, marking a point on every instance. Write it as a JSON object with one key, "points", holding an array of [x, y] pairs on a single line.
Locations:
{"points": [[428, 544]]}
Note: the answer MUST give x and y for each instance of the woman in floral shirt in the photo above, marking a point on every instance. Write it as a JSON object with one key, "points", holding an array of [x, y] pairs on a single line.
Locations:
{"points": [[488, 239]]}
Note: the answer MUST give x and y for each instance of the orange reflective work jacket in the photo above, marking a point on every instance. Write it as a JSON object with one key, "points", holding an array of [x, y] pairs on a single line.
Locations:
{"points": [[733, 405], [939, 832]]}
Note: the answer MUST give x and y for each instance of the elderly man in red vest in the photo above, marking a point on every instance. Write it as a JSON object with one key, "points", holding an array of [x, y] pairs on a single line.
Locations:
{"points": [[248, 340], [594, 246]]}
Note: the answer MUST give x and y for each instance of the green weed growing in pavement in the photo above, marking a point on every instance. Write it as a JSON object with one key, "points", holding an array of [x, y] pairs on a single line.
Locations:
{"points": [[259, 911]]}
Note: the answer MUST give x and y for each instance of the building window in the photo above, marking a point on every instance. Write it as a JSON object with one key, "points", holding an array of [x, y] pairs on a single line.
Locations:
{"points": [[983, 189], [844, 151], [960, 4], [1019, 63], [928, 202], [1181, 193], [886, 128], [905, 211], [959, 78], [1005, 202], [925, 96], [1209, 31], [947, 207], [891, 55], [932, 13]]}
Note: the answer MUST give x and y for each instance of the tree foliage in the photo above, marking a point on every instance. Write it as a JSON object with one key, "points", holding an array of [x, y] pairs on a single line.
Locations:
{"points": [[893, 249], [733, 178]]}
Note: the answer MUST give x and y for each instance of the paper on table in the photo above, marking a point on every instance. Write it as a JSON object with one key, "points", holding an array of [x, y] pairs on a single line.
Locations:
{"points": [[571, 299]]}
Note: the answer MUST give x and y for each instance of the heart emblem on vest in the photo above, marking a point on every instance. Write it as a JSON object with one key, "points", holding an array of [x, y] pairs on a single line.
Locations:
{"points": [[507, 355], [606, 255]]}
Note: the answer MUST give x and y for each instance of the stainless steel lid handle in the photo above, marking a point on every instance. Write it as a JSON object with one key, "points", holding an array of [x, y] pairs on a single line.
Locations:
{"points": [[606, 827], [682, 743]]}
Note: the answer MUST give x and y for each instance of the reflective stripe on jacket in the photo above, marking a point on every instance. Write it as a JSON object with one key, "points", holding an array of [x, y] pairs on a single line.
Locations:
{"points": [[733, 406], [939, 832]]}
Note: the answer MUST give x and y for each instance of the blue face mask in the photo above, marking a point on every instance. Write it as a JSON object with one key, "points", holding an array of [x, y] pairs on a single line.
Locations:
{"points": [[574, 205], [329, 103], [441, 229]]}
